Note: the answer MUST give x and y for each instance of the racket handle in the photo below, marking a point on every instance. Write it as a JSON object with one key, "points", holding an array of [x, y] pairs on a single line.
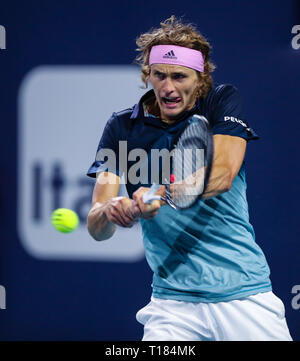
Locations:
{"points": [[150, 196]]}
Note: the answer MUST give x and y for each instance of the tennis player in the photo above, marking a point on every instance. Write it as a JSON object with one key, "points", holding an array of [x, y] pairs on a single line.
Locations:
{"points": [[210, 278]]}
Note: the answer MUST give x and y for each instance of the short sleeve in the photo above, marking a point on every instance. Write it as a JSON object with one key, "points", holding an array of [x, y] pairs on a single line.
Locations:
{"points": [[227, 114], [106, 158]]}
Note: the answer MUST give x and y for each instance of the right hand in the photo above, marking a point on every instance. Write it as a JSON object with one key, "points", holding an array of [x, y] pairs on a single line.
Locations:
{"points": [[121, 211], [148, 211]]}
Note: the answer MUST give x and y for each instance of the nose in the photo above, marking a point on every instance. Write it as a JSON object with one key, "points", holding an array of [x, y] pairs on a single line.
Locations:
{"points": [[168, 86]]}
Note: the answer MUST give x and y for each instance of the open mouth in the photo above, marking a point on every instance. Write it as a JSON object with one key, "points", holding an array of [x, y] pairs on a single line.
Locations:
{"points": [[171, 100]]}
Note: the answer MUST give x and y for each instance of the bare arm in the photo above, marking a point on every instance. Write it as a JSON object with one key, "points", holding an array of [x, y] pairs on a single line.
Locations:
{"points": [[108, 210], [229, 152]]}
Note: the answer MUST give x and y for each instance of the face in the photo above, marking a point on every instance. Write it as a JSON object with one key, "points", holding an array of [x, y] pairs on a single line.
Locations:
{"points": [[175, 89]]}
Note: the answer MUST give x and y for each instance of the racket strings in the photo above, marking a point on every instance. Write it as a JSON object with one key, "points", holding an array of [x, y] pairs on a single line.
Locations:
{"points": [[188, 165]]}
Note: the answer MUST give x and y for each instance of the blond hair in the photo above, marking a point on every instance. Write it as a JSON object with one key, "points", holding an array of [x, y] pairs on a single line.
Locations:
{"points": [[174, 32]]}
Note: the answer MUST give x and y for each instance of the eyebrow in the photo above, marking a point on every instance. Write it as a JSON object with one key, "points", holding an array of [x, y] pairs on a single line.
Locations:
{"points": [[173, 73]]}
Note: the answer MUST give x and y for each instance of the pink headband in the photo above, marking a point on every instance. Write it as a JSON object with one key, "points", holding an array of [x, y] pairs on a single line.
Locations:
{"points": [[177, 55]]}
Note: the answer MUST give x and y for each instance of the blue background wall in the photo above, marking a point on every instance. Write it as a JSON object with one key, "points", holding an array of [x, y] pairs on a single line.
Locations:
{"points": [[63, 300]]}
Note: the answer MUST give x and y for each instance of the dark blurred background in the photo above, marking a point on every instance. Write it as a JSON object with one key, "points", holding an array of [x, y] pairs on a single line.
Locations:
{"points": [[88, 299]]}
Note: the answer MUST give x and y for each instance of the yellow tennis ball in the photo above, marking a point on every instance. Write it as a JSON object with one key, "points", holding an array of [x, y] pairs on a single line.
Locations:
{"points": [[64, 220]]}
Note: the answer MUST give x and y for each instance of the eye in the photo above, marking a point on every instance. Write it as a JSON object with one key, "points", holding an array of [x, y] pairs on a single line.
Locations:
{"points": [[159, 75], [178, 76]]}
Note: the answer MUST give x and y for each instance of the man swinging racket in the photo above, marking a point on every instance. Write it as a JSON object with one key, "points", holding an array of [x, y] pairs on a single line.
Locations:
{"points": [[210, 278]]}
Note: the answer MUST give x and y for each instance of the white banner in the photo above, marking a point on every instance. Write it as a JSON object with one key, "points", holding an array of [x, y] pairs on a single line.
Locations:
{"points": [[62, 112]]}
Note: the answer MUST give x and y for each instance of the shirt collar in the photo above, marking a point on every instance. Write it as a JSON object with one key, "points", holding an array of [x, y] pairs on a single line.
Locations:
{"points": [[138, 110]]}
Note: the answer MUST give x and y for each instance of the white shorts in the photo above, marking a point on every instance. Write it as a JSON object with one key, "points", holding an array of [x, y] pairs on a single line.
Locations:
{"points": [[259, 317]]}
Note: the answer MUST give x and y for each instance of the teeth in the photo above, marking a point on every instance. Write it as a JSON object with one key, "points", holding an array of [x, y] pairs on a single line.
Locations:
{"points": [[172, 100]]}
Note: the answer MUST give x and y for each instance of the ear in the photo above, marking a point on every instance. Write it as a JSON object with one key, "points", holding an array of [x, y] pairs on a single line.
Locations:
{"points": [[198, 90], [199, 85]]}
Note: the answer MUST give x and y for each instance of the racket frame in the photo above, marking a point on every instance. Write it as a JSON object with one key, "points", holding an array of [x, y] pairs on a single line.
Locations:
{"points": [[150, 195]]}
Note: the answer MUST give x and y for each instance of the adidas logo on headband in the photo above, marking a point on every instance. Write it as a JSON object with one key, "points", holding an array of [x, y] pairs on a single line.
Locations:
{"points": [[170, 55]]}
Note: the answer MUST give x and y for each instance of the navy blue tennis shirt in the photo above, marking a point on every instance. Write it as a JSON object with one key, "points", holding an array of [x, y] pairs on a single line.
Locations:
{"points": [[206, 253], [222, 107]]}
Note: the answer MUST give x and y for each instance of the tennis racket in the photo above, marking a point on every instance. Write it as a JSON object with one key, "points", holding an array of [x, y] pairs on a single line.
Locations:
{"points": [[191, 163]]}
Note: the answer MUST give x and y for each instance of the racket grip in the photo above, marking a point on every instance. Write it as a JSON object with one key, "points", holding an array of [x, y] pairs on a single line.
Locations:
{"points": [[150, 196]]}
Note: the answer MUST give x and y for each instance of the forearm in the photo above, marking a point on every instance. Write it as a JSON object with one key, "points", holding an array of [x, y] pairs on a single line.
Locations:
{"points": [[229, 152], [99, 227], [220, 181]]}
